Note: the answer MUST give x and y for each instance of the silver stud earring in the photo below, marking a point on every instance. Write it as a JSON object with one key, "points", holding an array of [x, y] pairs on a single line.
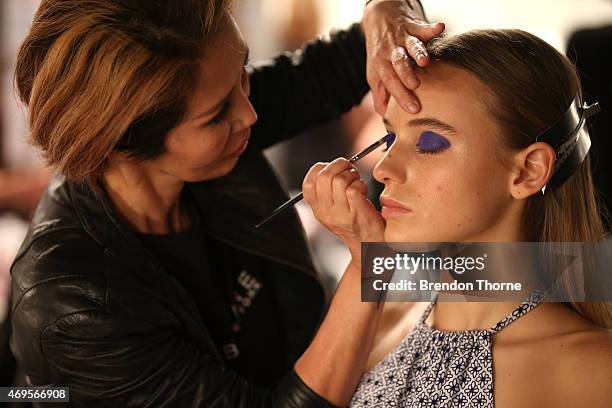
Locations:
{"points": [[543, 189]]}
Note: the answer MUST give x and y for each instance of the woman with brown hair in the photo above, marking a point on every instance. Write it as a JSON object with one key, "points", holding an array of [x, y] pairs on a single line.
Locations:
{"points": [[141, 281], [481, 163]]}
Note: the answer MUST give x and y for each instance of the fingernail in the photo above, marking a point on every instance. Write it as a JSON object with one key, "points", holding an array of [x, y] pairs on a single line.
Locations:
{"points": [[412, 107], [422, 58]]}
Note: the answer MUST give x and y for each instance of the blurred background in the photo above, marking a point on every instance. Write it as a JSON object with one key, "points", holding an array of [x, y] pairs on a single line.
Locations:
{"points": [[582, 28]]}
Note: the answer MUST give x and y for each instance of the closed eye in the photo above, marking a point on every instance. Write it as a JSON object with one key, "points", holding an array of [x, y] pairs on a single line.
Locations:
{"points": [[431, 142], [390, 140]]}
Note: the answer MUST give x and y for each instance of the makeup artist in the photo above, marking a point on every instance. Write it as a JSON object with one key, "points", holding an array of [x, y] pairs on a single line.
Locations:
{"points": [[141, 281]]}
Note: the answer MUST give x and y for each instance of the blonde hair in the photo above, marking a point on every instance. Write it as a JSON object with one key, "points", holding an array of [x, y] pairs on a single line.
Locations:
{"points": [[532, 85], [92, 70]]}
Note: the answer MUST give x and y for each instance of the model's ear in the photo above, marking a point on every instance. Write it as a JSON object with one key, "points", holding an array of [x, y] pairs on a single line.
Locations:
{"points": [[533, 168]]}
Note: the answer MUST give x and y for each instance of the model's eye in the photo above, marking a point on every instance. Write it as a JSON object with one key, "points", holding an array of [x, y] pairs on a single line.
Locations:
{"points": [[390, 139], [430, 142]]}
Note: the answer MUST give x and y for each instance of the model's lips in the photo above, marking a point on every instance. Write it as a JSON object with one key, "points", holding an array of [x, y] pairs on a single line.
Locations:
{"points": [[241, 148], [392, 208]]}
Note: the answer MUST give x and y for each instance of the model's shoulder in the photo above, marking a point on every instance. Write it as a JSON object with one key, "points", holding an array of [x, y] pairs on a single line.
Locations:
{"points": [[581, 366], [582, 338], [558, 359], [589, 351]]}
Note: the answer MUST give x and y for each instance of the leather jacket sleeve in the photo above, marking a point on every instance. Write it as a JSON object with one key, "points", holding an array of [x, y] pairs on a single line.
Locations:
{"points": [[309, 87], [130, 363]]}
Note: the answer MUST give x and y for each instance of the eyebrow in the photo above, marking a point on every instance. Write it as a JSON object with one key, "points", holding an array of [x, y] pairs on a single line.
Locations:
{"points": [[221, 104], [429, 122]]}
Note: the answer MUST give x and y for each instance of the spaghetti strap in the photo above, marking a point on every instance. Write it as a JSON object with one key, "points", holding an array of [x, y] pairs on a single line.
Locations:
{"points": [[532, 301], [427, 311]]}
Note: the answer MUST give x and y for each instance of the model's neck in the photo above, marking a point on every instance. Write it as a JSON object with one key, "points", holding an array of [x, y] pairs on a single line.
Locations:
{"points": [[508, 262], [145, 198], [511, 264]]}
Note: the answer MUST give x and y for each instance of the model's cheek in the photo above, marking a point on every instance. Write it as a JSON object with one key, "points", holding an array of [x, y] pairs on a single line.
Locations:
{"points": [[444, 205]]}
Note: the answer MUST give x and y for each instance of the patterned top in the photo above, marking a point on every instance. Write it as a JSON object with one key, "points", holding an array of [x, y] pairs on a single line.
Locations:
{"points": [[432, 368]]}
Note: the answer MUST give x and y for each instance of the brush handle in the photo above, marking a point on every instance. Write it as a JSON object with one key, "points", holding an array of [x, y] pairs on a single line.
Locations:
{"points": [[280, 209], [299, 197]]}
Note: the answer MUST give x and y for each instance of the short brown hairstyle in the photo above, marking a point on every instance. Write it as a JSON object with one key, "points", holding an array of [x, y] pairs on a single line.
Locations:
{"points": [[105, 75]]}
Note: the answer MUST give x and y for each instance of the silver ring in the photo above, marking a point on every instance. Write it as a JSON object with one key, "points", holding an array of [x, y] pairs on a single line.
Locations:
{"points": [[398, 54]]}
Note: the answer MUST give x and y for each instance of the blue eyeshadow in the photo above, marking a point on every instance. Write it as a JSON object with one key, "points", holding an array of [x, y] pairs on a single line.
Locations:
{"points": [[431, 141], [389, 139]]}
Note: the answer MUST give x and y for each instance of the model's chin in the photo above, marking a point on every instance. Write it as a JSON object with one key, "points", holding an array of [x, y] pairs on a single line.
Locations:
{"points": [[396, 231], [393, 235], [405, 232]]}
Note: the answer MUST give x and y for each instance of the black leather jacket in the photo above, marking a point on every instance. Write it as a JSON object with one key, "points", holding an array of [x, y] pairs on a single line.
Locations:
{"points": [[93, 310]]}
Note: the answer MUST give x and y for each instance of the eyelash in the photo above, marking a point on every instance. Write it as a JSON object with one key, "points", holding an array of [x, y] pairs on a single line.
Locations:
{"points": [[418, 149], [431, 151]]}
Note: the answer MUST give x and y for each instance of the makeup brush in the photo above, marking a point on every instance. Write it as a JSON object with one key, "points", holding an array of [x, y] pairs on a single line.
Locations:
{"points": [[387, 139]]}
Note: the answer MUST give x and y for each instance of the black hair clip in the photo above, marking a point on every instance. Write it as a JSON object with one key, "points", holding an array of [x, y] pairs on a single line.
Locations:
{"points": [[570, 138]]}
